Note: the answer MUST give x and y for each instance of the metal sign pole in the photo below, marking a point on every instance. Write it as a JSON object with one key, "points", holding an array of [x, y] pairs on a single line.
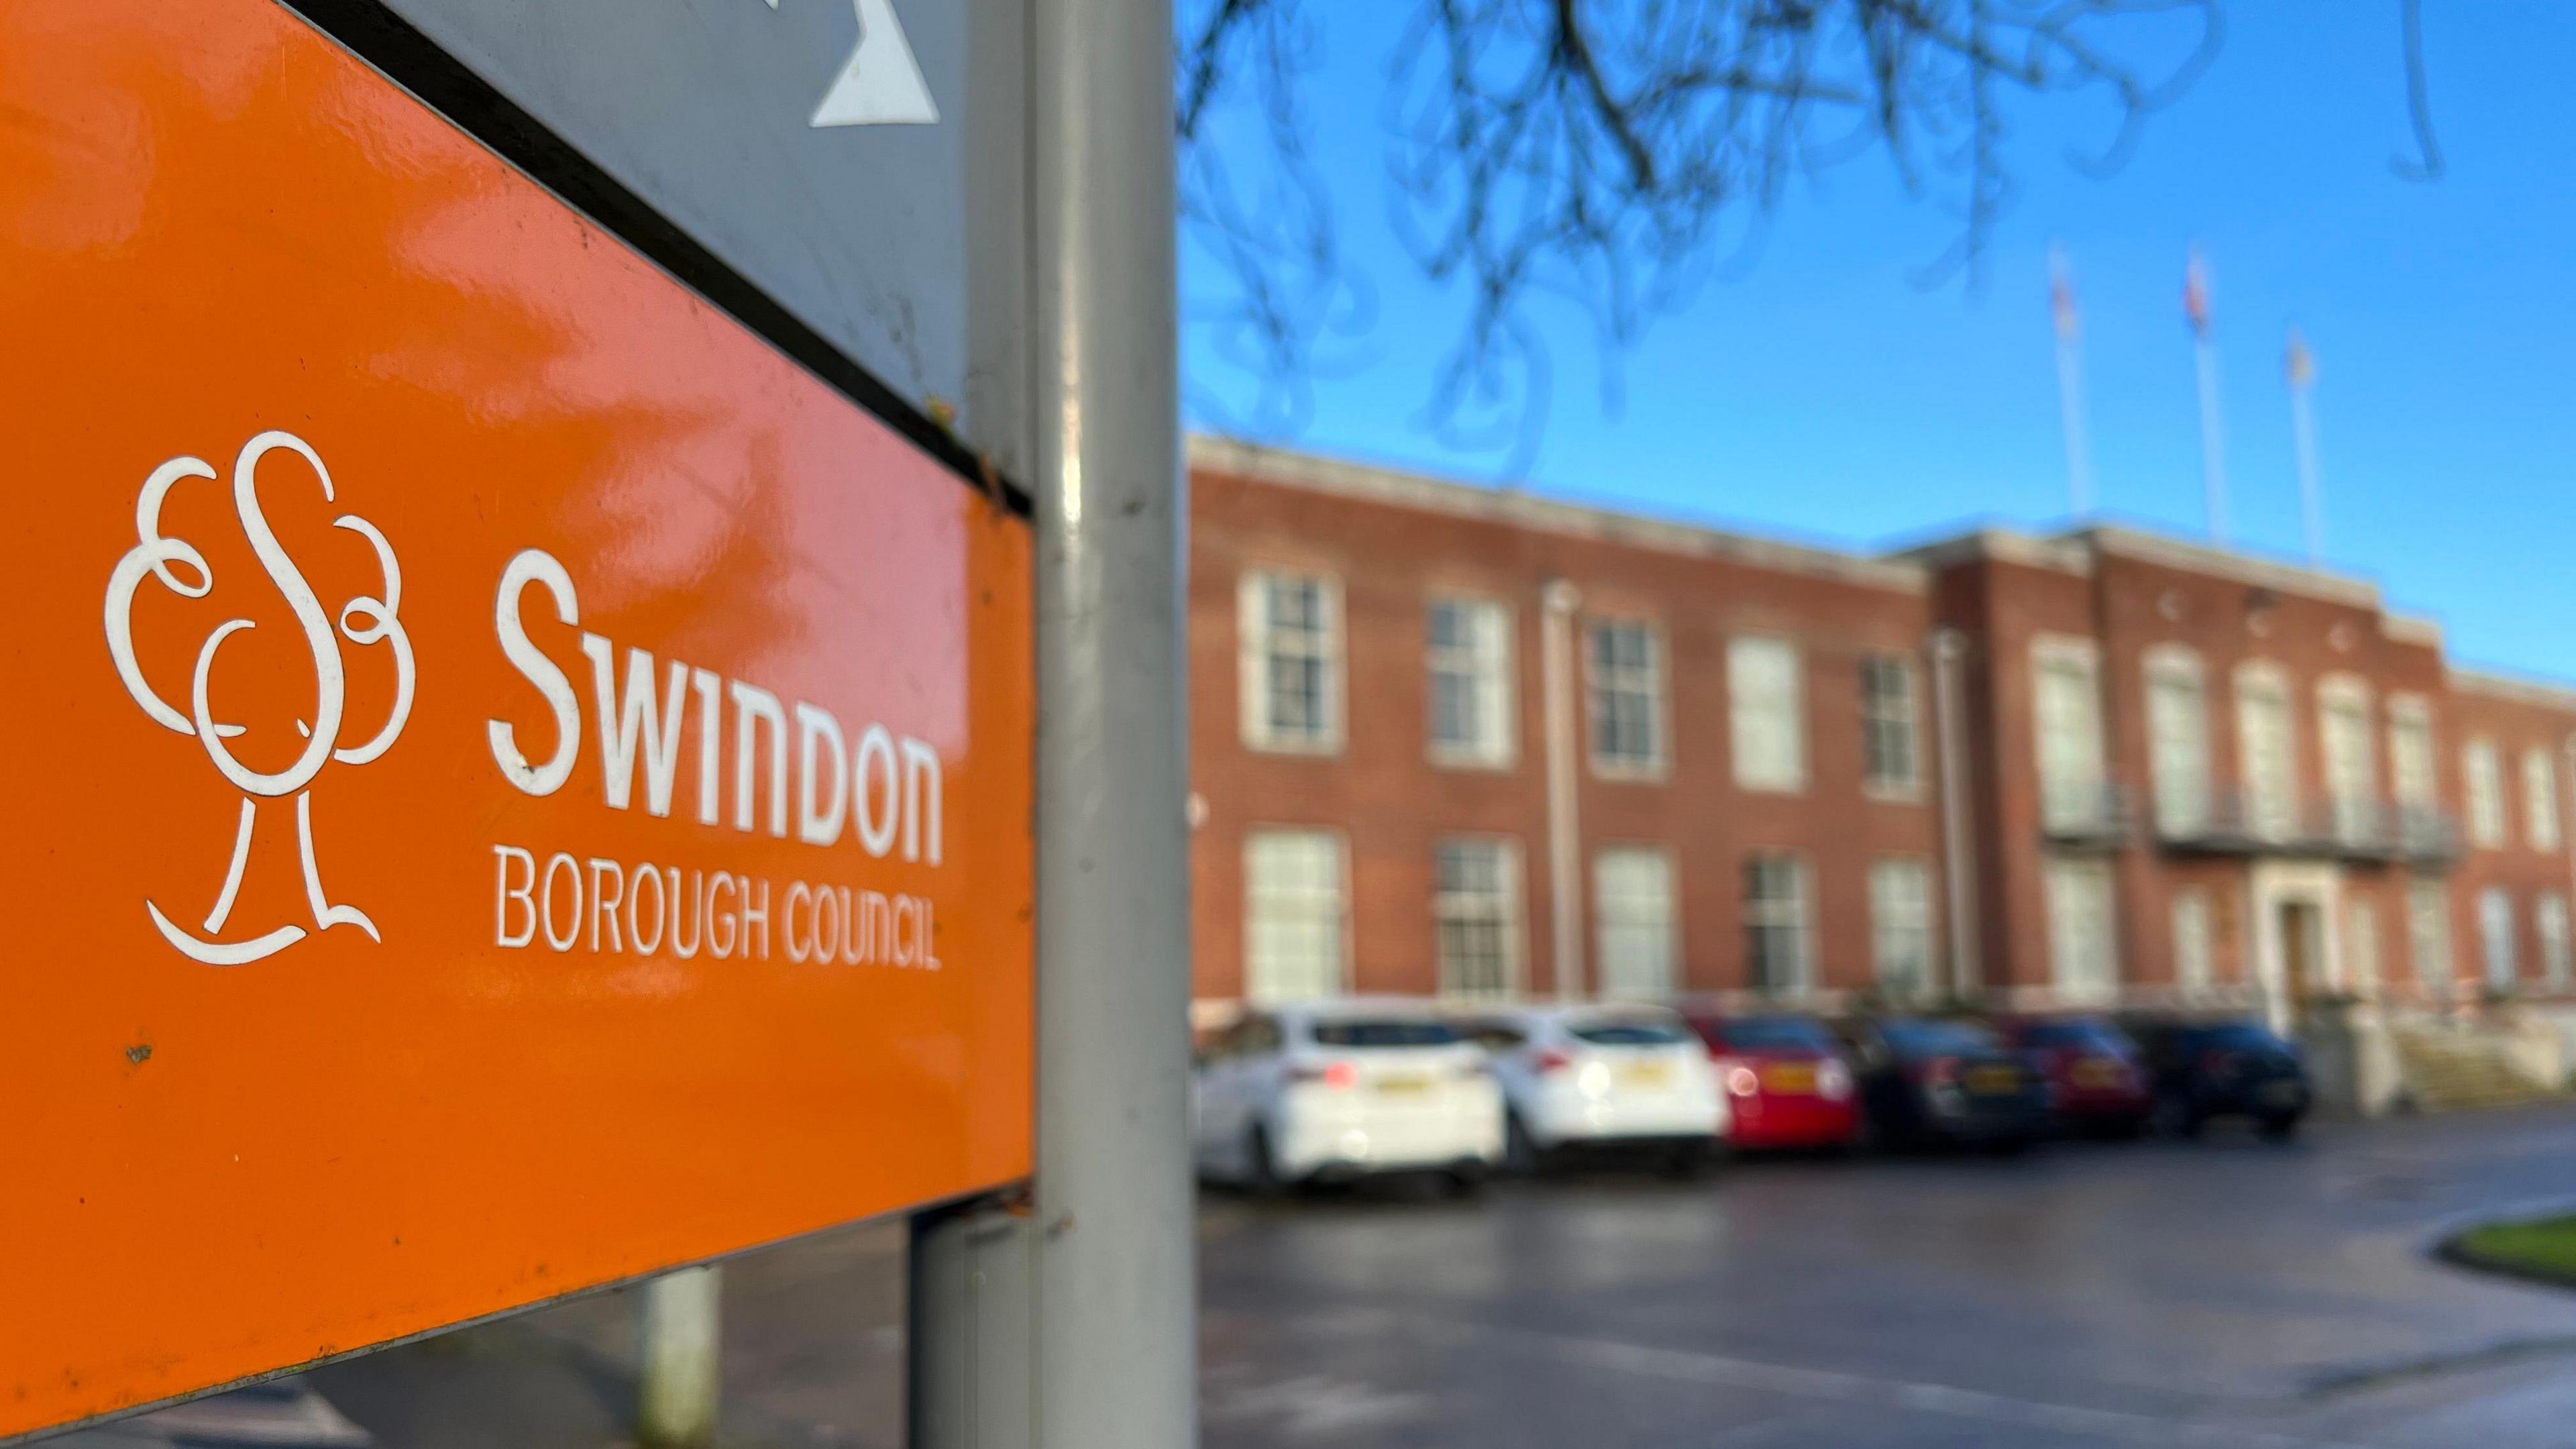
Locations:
{"points": [[1068, 1322], [1116, 1347]]}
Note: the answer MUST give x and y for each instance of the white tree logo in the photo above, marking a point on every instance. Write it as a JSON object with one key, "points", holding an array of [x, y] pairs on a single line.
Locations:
{"points": [[180, 568]]}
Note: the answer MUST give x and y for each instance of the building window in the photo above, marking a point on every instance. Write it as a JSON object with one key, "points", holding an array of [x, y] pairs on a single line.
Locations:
{"points": [[1476, 907], [2067, 700], [2178, 740], [1470, 659], [2410, 772], [2484, 777], [2267, 753], [1290, 627], [1293, 932], [2410, 752], [1891, 764], [2428, 935], [1632, 908], [1776, 930], [2343, 723], [1627, 698], [2083, 958], [1763, 707], [2540, 798], [1900, 928], [2194, 970], [2495, 936], [2361, 950], [2549, 923]]}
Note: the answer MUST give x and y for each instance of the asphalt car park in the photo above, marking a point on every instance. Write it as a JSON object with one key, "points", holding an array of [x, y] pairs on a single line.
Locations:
{"points": [[2228, 1291]]}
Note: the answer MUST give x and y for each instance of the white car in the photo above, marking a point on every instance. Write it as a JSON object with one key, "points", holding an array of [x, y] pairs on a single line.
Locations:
{"points": [[1601, 1075], [1335, 1090]]}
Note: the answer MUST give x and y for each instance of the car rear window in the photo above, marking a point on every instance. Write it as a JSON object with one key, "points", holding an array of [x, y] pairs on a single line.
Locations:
{"points": [[2091, 1034], [1365, 1034], [2243, 1036], [1938, 1038], [1628, 1033], [1776, 1033]]}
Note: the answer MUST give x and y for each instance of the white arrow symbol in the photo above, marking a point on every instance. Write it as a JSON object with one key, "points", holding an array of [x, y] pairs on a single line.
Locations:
{"points": [[881, 84]]}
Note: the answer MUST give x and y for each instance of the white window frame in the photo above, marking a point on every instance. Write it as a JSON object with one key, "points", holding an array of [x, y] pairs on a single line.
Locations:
{"points": [[2482, 785], [2428, 936], [2270, 814], [1648, 679], [1503, 908], [1629, 925], [2073, 766], [1902, 921], [2195, 944], [1262, 902], [2361, 967], [2414, 769], [2352, 782], [2549, 924], [1255, 650], [2540, 798], [1904, 720], [2075, 978], [2181, 774], [1485, 663], [1752, 717], [1794, 914], [2496, 938]]}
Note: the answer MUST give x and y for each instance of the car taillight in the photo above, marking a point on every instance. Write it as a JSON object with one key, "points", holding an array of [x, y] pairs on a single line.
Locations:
{"points": [[1551, 1060], [1340, 1076], [1941, 1072], [1833, 1081], [1742, 1081]]}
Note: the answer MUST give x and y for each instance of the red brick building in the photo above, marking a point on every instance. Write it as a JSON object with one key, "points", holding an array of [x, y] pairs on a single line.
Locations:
{"points": [[1458, 739]]}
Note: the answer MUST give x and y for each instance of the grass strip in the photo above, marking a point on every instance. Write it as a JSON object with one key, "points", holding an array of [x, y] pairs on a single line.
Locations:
{"points": [[2543, 1249]]}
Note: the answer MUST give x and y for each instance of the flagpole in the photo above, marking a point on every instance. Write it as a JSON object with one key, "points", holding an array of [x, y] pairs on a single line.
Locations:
{"points": [[2303, 426], [2070, 382], [2213, 452]]}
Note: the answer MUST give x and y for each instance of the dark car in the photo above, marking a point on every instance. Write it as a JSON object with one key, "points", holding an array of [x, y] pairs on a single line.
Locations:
{"points": [[2198, 1070], [2097, 1079], [1926, 1080]]}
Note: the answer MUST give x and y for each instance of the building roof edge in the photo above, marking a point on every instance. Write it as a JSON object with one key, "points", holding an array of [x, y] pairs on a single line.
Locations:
{"points": [[1371, 483], [2544, 694], [2288, 578]]}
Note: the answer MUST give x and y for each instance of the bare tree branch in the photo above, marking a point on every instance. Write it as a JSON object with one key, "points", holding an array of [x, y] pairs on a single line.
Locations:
{"points": [[1599, 152], [2426, 163]]}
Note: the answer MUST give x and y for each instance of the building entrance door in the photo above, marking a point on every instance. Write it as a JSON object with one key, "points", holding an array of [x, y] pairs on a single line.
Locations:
{"points": [[2291, 928]]}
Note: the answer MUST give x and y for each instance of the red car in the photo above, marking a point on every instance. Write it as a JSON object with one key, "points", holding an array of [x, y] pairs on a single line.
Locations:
{"points": [[1785, 1079], [2097, 1080]]}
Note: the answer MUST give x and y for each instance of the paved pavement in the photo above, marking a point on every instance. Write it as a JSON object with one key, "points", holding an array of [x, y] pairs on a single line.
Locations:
{"points": [[2227, 1293]]}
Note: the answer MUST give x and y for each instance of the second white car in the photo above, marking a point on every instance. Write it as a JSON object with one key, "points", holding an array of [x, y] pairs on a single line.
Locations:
{"points": [[1601, 1075]]}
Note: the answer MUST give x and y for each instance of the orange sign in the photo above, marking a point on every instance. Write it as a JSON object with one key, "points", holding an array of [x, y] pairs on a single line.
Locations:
{"points": [[513, 784]]}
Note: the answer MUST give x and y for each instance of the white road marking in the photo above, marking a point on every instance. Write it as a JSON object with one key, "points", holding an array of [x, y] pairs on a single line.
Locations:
{"points": [[1832, 1386]]}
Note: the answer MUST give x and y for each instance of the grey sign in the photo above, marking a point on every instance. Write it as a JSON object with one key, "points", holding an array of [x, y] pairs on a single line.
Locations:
{"points": [[860, 161]]}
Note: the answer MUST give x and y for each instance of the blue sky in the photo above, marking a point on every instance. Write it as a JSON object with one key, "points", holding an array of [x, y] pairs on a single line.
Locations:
{"points": [[1821, 393]]}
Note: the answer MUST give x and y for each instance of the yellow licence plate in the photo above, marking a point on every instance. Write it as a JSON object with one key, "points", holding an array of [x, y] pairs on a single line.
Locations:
{"points": [[1402, 1086], [2097, 1074], [1994, 1081], [1646, 1074], [1790, 1077]]}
